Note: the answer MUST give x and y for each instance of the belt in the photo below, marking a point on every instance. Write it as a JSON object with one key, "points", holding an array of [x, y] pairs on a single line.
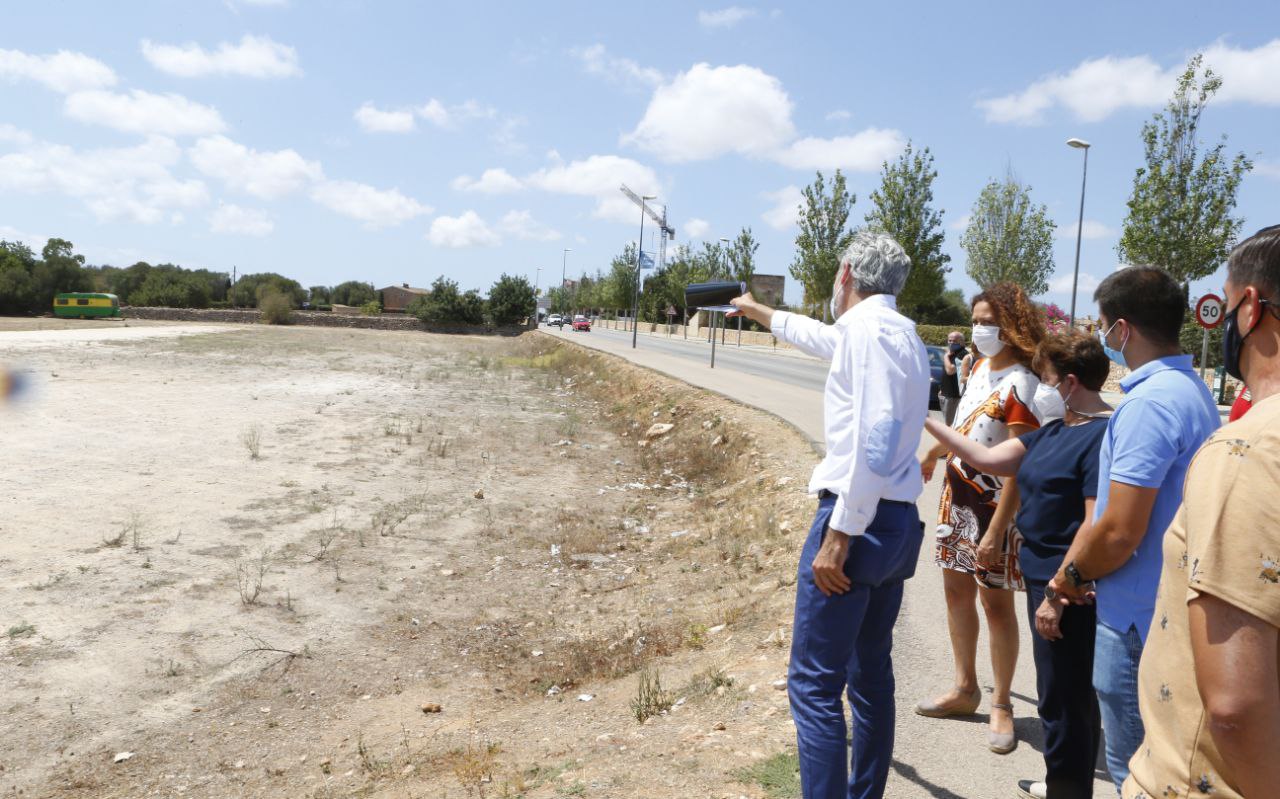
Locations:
{"points": [[825, 494]]}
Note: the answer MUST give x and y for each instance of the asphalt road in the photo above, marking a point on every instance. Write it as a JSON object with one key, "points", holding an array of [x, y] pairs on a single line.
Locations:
{"points": [[790, 368]]}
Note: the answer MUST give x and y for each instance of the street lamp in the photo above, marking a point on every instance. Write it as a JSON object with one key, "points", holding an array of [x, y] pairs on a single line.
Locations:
{"points": [[537, 289], [564, 259], [635, 302], [724, 266], [1079, 144]]}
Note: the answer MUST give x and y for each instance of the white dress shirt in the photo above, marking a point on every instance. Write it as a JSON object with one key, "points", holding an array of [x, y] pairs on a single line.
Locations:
{"points": [[874, 405]]}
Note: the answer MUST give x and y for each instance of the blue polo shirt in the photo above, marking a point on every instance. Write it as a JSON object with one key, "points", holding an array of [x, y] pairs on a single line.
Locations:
{"points": [[1166, 415]]}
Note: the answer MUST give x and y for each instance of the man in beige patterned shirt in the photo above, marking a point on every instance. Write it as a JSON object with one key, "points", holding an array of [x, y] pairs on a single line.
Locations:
{"points": [[1209, 683]]}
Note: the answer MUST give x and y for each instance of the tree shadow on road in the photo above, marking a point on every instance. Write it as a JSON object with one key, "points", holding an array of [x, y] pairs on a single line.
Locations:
{"points": [[910, 774]]}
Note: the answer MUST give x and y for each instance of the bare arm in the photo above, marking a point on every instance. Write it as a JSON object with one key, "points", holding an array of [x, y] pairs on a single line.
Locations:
{"points": [[1106, 546], [1235, 661], [948, 364], [801, 332], [1002, 459]]}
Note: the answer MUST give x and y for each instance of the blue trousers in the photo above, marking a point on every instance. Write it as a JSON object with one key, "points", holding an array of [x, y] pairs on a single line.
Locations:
{"points": [[843, 643], [1115, 678]]}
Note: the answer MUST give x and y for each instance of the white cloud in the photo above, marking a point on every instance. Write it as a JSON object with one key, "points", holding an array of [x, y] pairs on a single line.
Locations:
{"points": [[253, 57], [131, 183], [597, 61], [241, 221], [599, 176], [1096, 88], [14, 135], [862, 152], [786, 207], [144, 112], [1061, 284], [1270, 169], [443, 116], [1093, 229], [376, 208], [522, 225], [960, 223], [725, 17], [709, 111], [63, 71], [696, 228], [467, 230], [373, 120], [269, 174], [265, 3], [492, 181], [839, 115]]}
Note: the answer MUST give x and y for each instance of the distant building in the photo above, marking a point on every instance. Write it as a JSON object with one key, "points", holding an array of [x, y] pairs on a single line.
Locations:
{"points": [[395, 299], [768, 289]]}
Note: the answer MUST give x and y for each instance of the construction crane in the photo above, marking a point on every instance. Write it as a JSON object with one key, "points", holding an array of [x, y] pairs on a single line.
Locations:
{"points": [[667, 231]]}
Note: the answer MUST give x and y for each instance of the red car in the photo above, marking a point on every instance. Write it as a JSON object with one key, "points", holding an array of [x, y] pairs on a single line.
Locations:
{"points": [[581, 322]]}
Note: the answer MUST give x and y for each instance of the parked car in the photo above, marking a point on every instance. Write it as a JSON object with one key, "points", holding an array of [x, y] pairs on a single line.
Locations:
{"points": [[936, 354], [555, 320], [581, 322]]}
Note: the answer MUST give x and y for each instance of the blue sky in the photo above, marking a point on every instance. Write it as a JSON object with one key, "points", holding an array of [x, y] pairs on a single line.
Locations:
{"points": [[397, 141]]}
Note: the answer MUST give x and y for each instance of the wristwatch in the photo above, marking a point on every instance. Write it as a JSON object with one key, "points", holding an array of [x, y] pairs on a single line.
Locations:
{"points": [[1073, 574], [1050, 594]]}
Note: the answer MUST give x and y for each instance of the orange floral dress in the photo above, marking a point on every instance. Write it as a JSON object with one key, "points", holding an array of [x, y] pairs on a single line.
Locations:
{"points": [[992, 401]]}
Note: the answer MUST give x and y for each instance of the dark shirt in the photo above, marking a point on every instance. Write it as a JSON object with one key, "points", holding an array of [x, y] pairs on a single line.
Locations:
{"points": [[950, 386], [1058, 473]]}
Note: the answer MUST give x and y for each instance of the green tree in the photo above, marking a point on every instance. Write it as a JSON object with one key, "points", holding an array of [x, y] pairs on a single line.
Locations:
{"points": [[275, 306], [1009, 237], [19, 293], [824, 235], [742, 256], [60, 269], [446, 305], [319, 295], [248, 289], [353, 292], [511, 300], [620, 283], [1180, 210], [171, 286], [902, 207]]}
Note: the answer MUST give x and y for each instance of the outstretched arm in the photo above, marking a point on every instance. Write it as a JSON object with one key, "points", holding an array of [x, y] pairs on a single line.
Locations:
{"points": [[804, 333], [1001, 460]]}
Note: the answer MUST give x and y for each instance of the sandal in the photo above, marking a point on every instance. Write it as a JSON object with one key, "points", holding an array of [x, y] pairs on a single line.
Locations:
{"points": [[935, 710], [1002, 743]]}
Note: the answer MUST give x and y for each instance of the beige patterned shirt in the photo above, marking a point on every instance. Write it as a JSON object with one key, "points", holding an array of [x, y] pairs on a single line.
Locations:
{"points": [[1225, 541]]}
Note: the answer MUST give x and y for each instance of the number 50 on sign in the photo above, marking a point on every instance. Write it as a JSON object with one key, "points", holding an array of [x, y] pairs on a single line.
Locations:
{"points": [[1209, 311]]}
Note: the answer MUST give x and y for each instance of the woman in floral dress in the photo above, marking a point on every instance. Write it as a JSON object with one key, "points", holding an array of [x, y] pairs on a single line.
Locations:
{"points": [[976, 542]]}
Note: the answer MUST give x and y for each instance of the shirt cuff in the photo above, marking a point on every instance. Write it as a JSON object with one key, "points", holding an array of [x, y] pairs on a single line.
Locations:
{"points": [[778, 324], [850, 521]]}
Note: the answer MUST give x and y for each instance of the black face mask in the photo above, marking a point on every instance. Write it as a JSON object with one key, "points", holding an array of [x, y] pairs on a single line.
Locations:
{"points": [[957, 348], [1233, 341]]}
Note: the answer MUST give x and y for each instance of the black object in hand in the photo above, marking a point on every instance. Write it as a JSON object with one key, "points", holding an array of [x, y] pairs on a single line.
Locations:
{"points": [[707, 295]]}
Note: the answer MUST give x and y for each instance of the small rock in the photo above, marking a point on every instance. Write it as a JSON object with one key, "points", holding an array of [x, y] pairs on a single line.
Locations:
{"points": [[658, 429], [447, 572], [717, 441], [719, 725], [780, 685], [537, 653], [414, 622], [604, 737], [586, 697], [407, 770], [707, 425], [121, 757], [679, 533], [326, 765], [431, 707], [479, 493], [367, 696], [719, 628], [238, 764], [554, 691]]}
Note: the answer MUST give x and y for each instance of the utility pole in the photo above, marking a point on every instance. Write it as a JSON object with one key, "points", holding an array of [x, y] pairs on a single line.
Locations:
{"points": [[667, 232]]}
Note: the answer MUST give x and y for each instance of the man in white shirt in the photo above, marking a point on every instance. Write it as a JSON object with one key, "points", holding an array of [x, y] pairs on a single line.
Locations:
{"points": [[866, 535]]}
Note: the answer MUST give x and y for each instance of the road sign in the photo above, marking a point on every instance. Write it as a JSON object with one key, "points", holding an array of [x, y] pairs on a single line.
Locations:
{"points": [[1209, 311]]}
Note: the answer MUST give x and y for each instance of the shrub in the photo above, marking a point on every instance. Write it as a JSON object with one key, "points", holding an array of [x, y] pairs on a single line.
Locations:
{"points": [[937, 334], [371, 308], [275, 307], [352, 292], [511, 300], [446, 305]]}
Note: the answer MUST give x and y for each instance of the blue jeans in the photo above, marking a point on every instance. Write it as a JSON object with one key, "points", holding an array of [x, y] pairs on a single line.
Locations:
{"points": [[1115, 678], [842, 644]]}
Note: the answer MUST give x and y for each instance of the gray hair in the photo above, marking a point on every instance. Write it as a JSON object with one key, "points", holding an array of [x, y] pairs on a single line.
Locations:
{"points": [[876, 263]]}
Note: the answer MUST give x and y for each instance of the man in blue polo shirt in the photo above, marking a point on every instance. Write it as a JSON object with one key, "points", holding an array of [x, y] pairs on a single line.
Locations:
{"points": [[1166, 415]]}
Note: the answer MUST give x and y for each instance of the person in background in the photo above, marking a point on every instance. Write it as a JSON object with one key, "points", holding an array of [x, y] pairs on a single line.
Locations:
{"points": [[1166, 415], [975, 539], [1209, 685], [866, 535], [966, 366], [949, 392], [1057, 480]]}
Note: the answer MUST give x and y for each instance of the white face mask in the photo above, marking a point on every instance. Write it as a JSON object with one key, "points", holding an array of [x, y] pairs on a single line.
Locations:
{"points": [[987, 339], [1049, 403]]}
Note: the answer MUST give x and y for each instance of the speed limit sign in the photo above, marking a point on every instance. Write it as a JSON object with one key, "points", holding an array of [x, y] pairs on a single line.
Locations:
{"points": [[1209, 311]]}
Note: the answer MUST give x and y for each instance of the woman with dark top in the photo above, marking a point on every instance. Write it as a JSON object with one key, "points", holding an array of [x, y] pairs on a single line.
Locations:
{"points": [[1057, 480]]}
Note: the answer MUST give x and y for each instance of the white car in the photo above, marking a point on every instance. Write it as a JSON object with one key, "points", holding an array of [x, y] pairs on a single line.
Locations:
{"points": [[556, 320]]}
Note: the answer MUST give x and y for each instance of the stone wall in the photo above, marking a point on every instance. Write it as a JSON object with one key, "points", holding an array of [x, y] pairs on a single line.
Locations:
{"points": [[313, 318], [729, 336]]}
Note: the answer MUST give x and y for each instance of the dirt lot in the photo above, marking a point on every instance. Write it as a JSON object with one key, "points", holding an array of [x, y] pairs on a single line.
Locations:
{"points": [[256, 561]]}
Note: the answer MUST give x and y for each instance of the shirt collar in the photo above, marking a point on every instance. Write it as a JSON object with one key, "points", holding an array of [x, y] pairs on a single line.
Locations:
{"points": [[1181, 363], [868, 305]]}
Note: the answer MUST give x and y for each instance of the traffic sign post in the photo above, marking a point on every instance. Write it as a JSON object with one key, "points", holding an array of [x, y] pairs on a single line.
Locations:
{"points": [[1208, 316]]}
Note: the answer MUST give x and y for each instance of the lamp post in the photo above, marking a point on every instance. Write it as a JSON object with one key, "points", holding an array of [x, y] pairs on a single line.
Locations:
{"points": [[635, 301], [1079, 144], [564, 259], [537, 289]]}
